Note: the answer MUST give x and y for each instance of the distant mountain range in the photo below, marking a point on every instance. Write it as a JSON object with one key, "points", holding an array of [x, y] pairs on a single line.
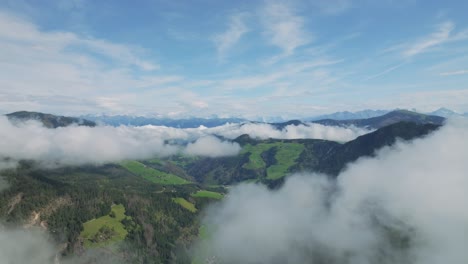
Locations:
{"points": [[53, 121], [346, 115], [193, 122], [126, 120], [344, 118]]}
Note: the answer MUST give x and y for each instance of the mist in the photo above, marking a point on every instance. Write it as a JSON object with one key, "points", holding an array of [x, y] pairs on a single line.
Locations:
{"points": [[28, 246], [211, 146], [406, 205], [25, 246], [306, 131], [76, 145]]}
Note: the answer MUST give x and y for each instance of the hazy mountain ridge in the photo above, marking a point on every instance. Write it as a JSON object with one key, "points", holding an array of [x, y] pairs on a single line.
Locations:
{"points": [[364, 118], [385, 120], [368, 113], [194, 122], [49, 120], [346, 115], [445, 112]]}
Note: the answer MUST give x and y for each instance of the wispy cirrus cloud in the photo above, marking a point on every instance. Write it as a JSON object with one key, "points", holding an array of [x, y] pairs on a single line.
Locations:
{"points": [[274, 77], [69, 71], [284, 28], [226, 40], [444, 33], [20, 33], [385, 72], [452, 73]]}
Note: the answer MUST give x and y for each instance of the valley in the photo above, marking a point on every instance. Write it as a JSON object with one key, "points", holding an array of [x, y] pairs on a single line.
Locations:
{"points": [[233, 132], [146, 210]]}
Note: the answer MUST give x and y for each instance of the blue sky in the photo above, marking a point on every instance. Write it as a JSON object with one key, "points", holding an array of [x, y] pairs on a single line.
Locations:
{"points": [[232, 58]]}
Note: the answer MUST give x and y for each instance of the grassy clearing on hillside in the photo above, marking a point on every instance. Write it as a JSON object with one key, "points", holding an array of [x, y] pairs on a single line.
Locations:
{"points": [[255, 158], [286, 156], [92, 227], [208, 194], [185, 204], [153, 175]]}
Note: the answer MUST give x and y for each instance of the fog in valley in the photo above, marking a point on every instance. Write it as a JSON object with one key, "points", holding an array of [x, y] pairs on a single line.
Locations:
{"points": [[406, 205], [76, 145]]}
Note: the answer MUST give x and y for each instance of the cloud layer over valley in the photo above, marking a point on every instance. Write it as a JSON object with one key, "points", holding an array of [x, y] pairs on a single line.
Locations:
{"points": [[75, 145], [406, 205], [309, 130]]}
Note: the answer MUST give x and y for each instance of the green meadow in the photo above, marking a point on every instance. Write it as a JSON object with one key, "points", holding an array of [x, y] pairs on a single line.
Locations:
{"points": [[185, 204], [91, 229], [153, 175], [208, 194], [286, 156]]}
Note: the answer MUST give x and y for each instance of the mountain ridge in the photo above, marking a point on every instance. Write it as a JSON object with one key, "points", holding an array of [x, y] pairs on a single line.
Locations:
{"points": [[346, 115], [385, 120], [321, 156], [49, 120]]}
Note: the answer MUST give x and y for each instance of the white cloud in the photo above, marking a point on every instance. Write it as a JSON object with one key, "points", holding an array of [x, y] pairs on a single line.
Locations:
{"points": [[406, 205], [284, 28], [441, 35], [70, 70], [311, 131], [210, 146], [25, 246], [35, 246], [82, 145], [226, 40], [452, 73], [79, 145], [20, 33], [274, 78]]}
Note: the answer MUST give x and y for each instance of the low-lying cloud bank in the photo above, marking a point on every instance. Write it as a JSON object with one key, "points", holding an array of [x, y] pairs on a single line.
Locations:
{"points": [[407, 205], [211, 146], [34, 246], [309, 130], [75, 145], [25, 246], [260, 131]]}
